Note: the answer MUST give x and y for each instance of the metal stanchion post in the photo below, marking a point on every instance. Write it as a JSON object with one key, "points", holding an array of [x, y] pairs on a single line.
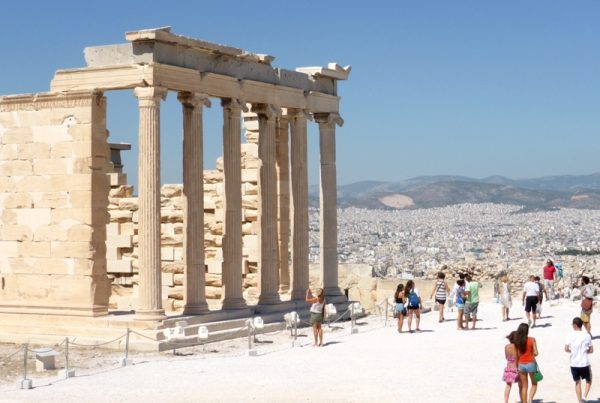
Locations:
{"points": [[25, 383], [67, 372], [126, 361], [352, 318], [251, 351], [386, 312]]}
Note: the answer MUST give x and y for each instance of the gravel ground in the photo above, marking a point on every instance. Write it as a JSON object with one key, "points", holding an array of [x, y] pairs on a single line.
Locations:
{"points": [[439, 364]]}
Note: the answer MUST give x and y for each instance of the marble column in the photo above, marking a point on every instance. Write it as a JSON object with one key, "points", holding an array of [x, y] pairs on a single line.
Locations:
{"points": [[299, 202], [267, 209], [232, 205], [283, 202], [328, 202], [194, 293], [150, 298]]}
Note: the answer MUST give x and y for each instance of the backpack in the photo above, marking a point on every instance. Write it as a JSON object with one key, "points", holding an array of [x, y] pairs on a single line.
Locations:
{"points": [[413, 299]]}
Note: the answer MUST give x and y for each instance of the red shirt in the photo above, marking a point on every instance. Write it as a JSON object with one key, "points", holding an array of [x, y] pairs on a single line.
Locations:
{"points": [[549, 272]]}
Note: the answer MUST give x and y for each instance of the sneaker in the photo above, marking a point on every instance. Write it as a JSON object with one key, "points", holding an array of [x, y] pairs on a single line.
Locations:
{"points": [[529, 323]]}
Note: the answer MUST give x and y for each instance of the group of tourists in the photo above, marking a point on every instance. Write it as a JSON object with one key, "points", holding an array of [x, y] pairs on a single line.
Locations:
{"points": [[521, 350]]}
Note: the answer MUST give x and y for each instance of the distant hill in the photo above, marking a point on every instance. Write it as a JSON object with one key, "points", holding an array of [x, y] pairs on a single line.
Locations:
{"points": [[550, 192]]}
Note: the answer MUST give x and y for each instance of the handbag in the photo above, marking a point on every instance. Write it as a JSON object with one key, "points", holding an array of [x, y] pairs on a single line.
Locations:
{"points": [[537, 375]]}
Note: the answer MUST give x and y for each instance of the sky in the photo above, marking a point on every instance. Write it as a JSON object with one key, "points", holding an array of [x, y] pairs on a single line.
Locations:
{"points": [[474, 88]]}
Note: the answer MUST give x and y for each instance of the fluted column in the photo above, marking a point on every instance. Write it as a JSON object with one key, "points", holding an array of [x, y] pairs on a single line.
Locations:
{"points": [[299, 202], [232, 204], [328, 202], [283, 202], [267, 210], [150, 298], [194, 282]]}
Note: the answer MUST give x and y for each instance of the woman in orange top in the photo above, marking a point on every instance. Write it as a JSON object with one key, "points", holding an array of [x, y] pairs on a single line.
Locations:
{"points": [[527, 352]]}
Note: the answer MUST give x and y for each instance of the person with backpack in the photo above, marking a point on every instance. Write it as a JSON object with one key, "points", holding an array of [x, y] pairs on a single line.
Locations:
{"points": [[414, 304], [460, 304], [472, 302]]}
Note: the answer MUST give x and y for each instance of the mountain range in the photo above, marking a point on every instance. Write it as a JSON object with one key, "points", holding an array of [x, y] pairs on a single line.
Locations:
{"points": [[544, 193]]}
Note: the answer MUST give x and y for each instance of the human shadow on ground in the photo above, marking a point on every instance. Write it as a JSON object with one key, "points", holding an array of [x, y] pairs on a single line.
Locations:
{"points": [[330, 343], [263, 341], [592, 400], [544, 325], [595, 337], [546, 401], [547, 317]]}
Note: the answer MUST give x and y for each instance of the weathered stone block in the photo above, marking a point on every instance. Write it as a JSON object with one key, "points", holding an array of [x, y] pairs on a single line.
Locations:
{"points": [[15, 168], [17, 135], [51, 200], [82, 250], [7, 184], [16, 233], [34, 249], [33, 151], [9, 152], [18, 200], [50, 134], [9, 248], [50, 233]]}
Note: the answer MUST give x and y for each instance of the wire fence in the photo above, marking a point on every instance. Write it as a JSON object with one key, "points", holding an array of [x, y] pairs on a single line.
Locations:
{"points": [[44, 365]]}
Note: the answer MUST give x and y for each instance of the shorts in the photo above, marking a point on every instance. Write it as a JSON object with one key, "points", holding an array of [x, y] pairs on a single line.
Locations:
{"points": [[399, 310], [471, 309], [585, 317], [316, 318], [412, 308], [460, 307], [531, 303], [580, 373], [529, 367], [440, 301], [548, 284]]}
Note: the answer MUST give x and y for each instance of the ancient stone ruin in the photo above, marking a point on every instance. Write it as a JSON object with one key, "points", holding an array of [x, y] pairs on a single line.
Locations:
{"points": [[225, 244]]}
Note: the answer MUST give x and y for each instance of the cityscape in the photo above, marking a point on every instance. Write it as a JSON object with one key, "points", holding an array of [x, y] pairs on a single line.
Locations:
{"points": [[490, 237]]}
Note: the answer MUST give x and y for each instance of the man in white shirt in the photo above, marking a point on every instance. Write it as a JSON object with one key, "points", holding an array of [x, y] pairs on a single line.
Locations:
{"points": [[579, 344], [531, 292]]}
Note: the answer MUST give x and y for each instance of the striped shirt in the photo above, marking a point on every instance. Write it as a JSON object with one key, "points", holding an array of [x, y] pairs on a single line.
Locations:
{"points": [[440, 290]]}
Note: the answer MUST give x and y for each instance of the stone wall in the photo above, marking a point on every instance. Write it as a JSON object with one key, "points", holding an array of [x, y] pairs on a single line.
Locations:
{"points": [[54, 160], [122, 243]]}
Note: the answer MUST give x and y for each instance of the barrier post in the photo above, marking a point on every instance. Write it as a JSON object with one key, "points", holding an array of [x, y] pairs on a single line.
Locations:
{"points": [[126, 361], [25, 383], [67, 372], [386, 312]]}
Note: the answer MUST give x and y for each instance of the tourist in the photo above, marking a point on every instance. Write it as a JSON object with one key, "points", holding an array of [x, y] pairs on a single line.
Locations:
{"points": [[511, 372], [472, 301], [531, 293], [527, 350], [542, 291], [549, 273], [440, 290], [400, 309], [453, 294], [579, 344], [414, 304], [587, 302], [460, 304], [505, 298], [317, 311]]}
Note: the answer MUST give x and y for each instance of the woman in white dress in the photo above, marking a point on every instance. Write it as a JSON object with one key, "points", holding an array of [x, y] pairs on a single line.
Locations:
{"points": [[505, 298]]}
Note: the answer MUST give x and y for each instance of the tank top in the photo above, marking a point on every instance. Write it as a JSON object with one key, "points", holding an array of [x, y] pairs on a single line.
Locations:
{"points": [[527, 357], [440, 290], [317, 307]]}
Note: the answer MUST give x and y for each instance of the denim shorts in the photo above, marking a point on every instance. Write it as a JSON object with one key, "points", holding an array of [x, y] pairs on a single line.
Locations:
{"points": [[460, 307], [529, 367]]}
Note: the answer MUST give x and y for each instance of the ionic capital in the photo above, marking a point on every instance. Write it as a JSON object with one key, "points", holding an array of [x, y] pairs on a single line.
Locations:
{"points": [[234, 104], [329, 118], [267, 110], [150, 96], [193, 100], [294, 113]]}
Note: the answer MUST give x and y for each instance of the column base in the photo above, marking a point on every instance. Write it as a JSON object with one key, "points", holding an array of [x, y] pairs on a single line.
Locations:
{"points": [[150, 314], [196, 309], [283, 288], [234, 303], [269, 299]]}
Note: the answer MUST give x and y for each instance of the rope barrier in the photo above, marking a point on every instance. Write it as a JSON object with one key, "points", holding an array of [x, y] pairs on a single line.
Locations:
{"points": [[97, 344], [13, 354]]}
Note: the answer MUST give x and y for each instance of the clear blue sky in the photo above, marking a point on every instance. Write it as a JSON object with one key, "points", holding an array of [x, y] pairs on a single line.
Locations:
{"points": [[472, 88]]}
